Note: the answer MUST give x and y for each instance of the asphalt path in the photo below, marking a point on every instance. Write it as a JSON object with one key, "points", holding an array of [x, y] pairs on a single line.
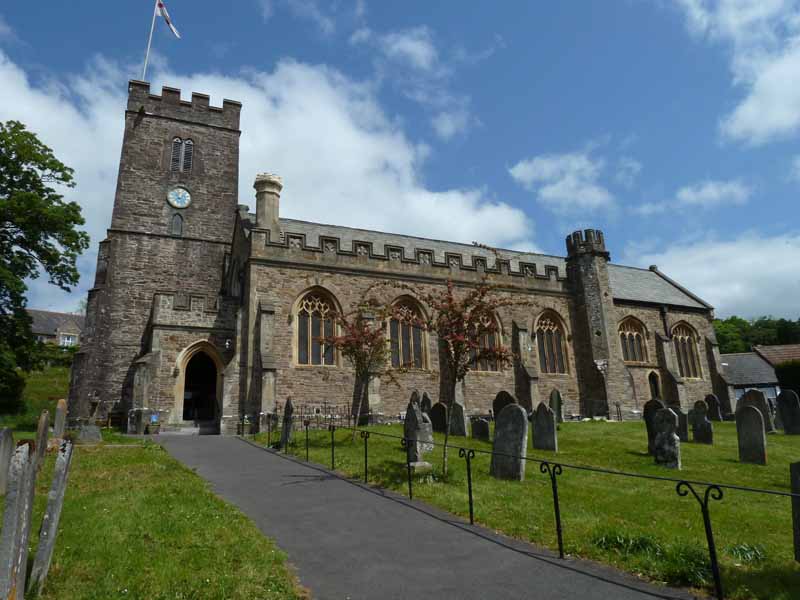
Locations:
{"points": [[350, 541]]}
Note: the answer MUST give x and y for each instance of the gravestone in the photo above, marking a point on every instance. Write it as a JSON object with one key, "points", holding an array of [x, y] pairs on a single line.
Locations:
{"points": [[649, 414], [425, 403], [794, 477], [510, 443], [789, 410], [683, 423], [458, 421], [52, 514], [557, 405], [751, 434], [501, 400], [758, 400], [714, 407], [89, 434], [438, 417], [417, 431], [42, 431], [702, 429], [16, 522], [288, 421], [667, 447], [6, 452], [480, 429], [60, 421], [544, 428]]}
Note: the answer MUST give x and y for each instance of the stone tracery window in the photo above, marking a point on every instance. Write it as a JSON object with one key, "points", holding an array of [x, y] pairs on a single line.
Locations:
{"points": [[315, 320], [406, 336], [489, 339], [684, 339], [632, 340], [551, 343]]}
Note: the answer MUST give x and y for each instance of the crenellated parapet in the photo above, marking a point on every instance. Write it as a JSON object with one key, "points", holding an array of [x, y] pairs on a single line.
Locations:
{"points": [[589, 241], [169, 105], [176, 309]]}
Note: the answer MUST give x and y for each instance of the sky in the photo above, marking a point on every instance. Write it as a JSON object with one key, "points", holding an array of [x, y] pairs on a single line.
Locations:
{"points": [[672, 126]]}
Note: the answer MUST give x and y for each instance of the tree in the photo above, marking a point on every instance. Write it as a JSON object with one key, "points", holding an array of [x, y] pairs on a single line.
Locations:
{"points": [[462, 322], [362, 342], [38, 233]]}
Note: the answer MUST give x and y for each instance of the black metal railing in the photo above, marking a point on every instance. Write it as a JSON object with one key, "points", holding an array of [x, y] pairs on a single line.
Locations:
{"points": [[683, 487]]}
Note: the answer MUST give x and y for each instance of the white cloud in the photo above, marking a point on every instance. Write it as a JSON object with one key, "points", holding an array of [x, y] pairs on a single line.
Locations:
{"points": [[447, 124], [564, 182], [267, 9], [712, 193], [628, 170], [7, 33], [343, 159], [648, 209], [309, 9], [750, 276], [414, 46], [764, 41]]}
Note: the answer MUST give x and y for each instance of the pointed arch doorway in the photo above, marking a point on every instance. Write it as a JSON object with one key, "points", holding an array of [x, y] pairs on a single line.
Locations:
{"points": [[198, 390]]}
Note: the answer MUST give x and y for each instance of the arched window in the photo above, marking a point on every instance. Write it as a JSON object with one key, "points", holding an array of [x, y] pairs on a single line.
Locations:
{"points": [[632, 339], [490, 338], [176, 225], [551, 344], [406, 336], [315, 321], [182, 155], [685, 341]]}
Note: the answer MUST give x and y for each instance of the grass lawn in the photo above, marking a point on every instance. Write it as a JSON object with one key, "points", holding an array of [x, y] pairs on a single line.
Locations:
{"points": [[137, 524], [42, 391], [639, 525]]}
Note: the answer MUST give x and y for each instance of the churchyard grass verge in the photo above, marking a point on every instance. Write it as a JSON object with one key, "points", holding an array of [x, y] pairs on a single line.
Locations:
{"points": [[638, 525]]}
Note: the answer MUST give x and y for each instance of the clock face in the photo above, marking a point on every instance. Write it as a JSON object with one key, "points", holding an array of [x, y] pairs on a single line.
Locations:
{"points": [[179, 197]]}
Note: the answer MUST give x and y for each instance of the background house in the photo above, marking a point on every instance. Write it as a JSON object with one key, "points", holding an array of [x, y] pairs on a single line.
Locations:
{"points": [[747, 371], [62, 329]]}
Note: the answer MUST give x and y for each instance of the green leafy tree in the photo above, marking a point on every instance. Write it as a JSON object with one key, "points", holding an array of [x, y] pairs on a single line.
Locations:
{"points": [[730, 337], [38, 234]]}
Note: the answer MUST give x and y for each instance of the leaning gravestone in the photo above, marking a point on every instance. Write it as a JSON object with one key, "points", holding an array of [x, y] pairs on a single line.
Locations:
{"points": [[288, 421], [794, 477], [413, 416], [557, 406], [510, 444], [544, 428], [667, 447], [60, 421], [458, 421], [6, 452], [789, 410], [752, 438], [480, 429], [500, 401], [12, 519], [438, 417], [714, 407], [52, 514], [702, 429], [649, 414], [42, 431], [425, 403], [758, 400], [683, 423], [417, 432]]}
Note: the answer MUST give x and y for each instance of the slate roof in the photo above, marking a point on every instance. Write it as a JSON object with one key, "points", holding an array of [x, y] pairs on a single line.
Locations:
{"points": [[46, 322], [747, 368], [627, 283], [775, 355]]}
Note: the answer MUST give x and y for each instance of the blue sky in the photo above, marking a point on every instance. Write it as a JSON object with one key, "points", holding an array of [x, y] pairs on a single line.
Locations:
{"points": [[672, 126]]}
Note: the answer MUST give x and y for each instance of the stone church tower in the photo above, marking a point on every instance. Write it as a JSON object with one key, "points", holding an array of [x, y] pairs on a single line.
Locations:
{"points": [[172, 224]]}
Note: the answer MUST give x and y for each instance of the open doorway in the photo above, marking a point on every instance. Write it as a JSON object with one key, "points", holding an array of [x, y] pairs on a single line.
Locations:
{"points": [[200, 389]]}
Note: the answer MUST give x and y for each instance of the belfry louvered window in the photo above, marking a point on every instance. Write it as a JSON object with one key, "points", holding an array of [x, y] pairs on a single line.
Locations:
{"points": [[182, 155], [684, 340], [315, 322], [632, 340], [551, 344]]}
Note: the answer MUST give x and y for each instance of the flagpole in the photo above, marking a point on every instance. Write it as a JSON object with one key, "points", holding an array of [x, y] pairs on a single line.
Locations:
{"points": [[149, 41]]}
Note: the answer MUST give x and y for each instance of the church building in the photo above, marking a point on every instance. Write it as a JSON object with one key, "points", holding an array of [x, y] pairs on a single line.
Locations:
{"points": [[209, 313]]}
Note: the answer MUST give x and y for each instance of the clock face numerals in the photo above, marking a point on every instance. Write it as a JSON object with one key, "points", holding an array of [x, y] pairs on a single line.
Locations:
{"points": [[179, 197]]}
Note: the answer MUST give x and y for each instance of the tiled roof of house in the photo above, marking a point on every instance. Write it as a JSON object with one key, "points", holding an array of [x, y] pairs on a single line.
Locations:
{"points": [[776, 355], [46, 322], [747, 368], [627, 283]]}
